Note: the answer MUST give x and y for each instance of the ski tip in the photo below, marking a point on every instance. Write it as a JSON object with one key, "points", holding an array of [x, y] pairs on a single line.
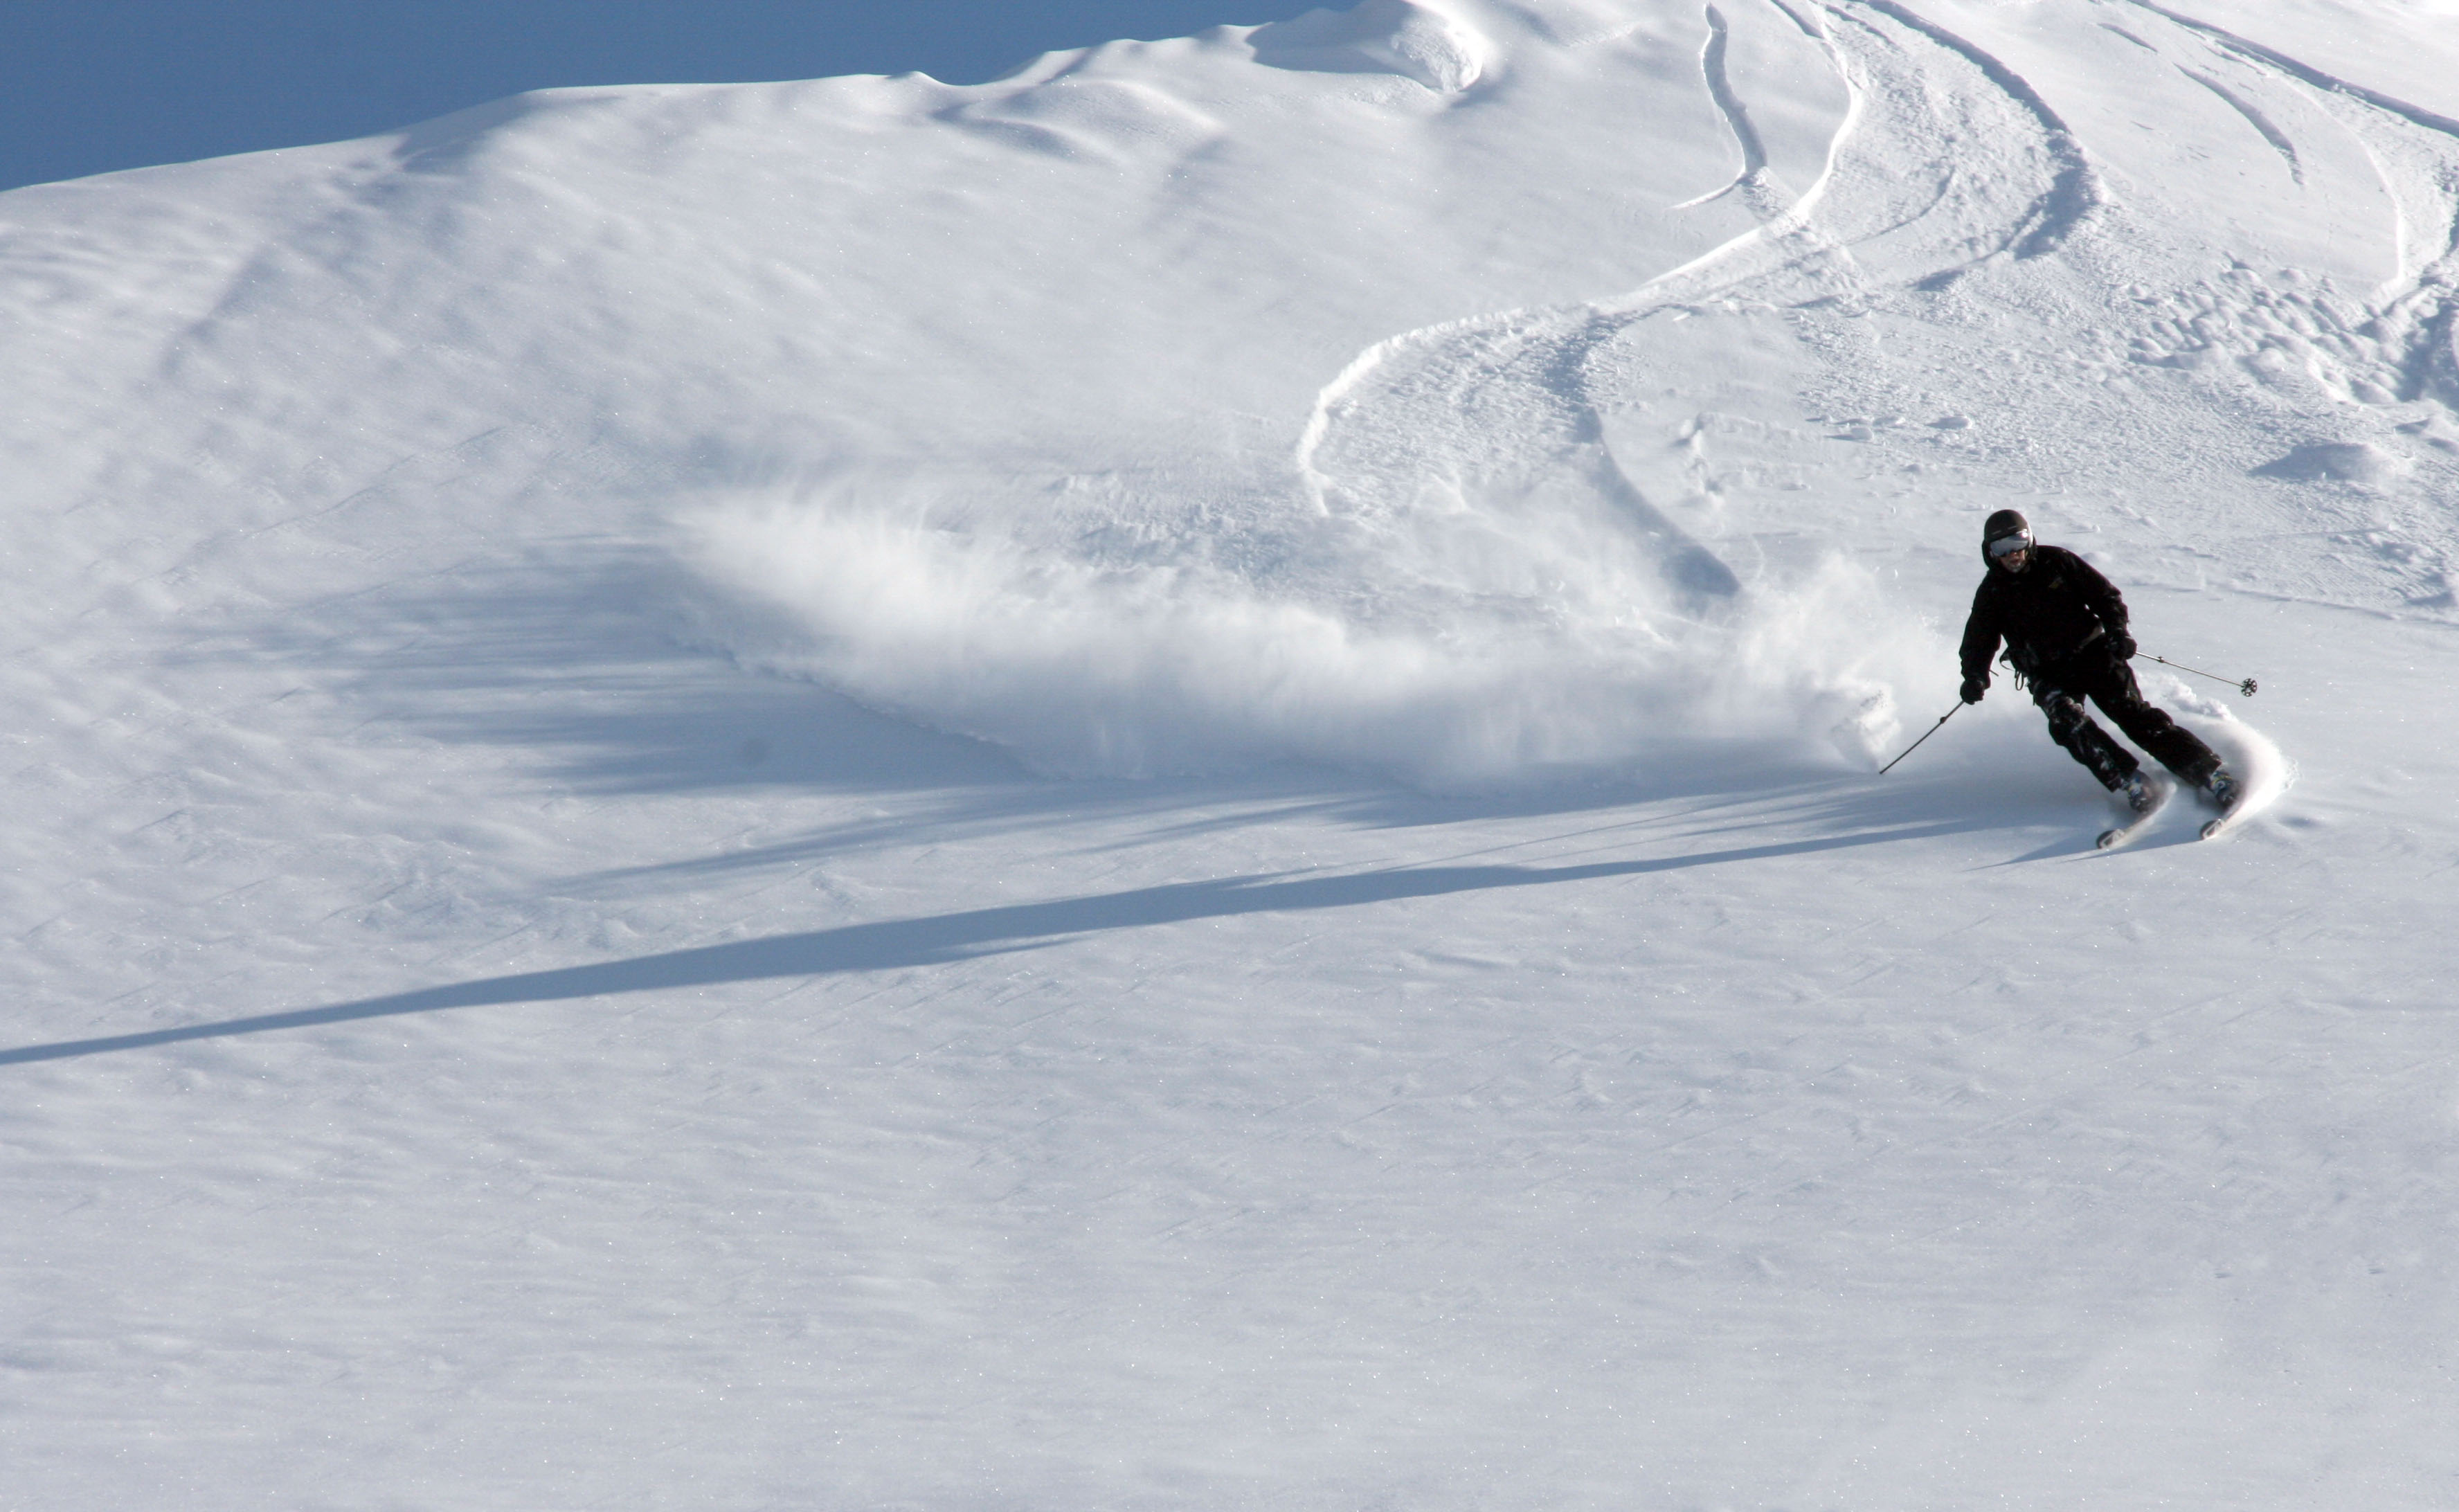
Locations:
{"points": [[2111, 837], [2214, 827]]}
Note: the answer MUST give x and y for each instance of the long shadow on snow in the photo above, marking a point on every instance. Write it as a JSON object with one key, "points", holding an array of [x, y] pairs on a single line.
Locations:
{"points": [[954, 937], [1176, 808]]}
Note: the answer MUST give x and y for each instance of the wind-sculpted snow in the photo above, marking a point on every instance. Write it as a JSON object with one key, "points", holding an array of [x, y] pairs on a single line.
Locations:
{"points": [[1100, 116]]}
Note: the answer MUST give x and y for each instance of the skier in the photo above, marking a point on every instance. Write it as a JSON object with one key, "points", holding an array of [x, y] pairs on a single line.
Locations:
{"points": [[2065, 629]]}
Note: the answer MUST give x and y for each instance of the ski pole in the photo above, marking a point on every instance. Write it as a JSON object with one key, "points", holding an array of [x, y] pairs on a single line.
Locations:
{"points": [[1926, 734], [2245, 687]]}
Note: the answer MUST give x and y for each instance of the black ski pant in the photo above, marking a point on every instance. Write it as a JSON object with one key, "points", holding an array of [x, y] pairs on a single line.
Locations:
{"points": [[2060, 688]]}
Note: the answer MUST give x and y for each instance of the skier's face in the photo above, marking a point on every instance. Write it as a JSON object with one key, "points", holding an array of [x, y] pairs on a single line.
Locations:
{"points": [[2013, 552], [2016, 560]]}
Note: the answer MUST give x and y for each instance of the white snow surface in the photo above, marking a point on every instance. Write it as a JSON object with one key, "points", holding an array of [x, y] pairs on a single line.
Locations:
{"points": [[1155, 786]]}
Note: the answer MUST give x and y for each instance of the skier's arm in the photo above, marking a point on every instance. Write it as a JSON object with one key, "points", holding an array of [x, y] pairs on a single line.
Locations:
{"points": [[1981, 636], [2107, 605]]}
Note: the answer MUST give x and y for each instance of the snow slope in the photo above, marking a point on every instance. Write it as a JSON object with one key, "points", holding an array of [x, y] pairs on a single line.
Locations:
{"points": [[1156, 785]]}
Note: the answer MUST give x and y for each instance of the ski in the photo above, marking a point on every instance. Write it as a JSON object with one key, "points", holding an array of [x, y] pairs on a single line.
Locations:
{"points": [[2230, 811], [2213, 829], [2135, 823], [2111, 839]]}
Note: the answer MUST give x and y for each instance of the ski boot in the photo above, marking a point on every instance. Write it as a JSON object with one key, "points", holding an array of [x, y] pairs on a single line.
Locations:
{"points": [[2222, 788], [2137, 793]]}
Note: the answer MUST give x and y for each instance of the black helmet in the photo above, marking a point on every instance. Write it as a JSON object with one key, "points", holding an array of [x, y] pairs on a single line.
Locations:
{"points": [[2003, 526]]}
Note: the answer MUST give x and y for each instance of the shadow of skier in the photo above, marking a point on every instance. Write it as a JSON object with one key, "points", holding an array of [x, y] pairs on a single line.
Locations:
{"points": [[948, 938]]}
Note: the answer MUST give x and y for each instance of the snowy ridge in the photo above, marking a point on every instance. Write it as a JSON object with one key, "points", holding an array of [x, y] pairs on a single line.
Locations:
{"points": [[1416, 41]]}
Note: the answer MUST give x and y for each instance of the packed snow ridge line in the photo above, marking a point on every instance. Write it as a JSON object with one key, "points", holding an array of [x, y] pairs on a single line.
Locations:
{"points": [[1418, 42]]}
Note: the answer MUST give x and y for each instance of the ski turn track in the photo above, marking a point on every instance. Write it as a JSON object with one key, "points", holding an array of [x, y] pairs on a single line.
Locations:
{"points": [[1519, 417], [1503, 412]]}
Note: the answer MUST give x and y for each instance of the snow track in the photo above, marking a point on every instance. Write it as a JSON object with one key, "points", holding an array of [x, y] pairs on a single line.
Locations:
{"points": [[1737, 114], [1502, 416], [2431, 120], [2075, 192], [2417, 314], [2254, 119]]}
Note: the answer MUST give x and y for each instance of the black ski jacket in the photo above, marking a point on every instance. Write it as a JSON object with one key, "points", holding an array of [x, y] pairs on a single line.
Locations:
{"points": [[2053, 609]]}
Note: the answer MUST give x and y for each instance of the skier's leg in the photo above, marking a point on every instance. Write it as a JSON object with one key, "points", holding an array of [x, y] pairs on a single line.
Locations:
{"points": [[2172, 746], [2085, 741]]}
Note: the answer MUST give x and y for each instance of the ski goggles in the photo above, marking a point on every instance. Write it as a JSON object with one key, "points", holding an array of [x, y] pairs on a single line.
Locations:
{"points": [[2009, 545]]}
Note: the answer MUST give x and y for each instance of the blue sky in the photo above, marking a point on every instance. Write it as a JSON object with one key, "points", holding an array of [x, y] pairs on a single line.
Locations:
{"points": [[90, 86]]}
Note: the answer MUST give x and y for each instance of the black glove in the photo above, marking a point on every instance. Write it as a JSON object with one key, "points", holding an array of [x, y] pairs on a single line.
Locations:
{"points": [[1973, 689], [2122, 645]]}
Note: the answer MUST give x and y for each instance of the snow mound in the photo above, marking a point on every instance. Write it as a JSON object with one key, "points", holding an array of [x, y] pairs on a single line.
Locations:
{"points": [[2335, 462], [1439, 651], [1584, 23], [1381, 36]]}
